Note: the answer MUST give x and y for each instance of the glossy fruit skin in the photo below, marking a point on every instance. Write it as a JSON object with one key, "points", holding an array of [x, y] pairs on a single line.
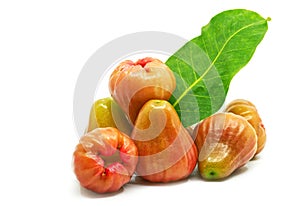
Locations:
{"points": [[225, 142], [106, 113], [248, 110], [105, 160], [132, 84], [166, 150]]}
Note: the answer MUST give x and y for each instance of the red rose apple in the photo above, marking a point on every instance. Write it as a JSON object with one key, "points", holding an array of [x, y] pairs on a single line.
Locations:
{"points": [[105, 160], [132, 84]]}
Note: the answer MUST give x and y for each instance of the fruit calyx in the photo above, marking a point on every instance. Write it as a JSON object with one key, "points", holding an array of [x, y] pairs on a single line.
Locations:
{"points": [[143, 62]]}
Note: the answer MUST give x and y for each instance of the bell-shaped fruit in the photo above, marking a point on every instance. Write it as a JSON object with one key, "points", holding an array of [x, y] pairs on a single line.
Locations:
{"points": [[132, 84], [106, 113], [105, 160], [166, 150], [248, 110], [225, 142]]}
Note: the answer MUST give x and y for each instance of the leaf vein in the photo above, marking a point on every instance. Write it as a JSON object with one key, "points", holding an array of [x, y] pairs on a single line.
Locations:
{"points": [[215, 59]]}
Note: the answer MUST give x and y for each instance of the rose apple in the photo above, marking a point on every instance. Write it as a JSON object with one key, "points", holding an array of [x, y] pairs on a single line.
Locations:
{"points": [[132, 84], [248, 110], [105, 160], [106, 112], [166, 150], [225, 142]]}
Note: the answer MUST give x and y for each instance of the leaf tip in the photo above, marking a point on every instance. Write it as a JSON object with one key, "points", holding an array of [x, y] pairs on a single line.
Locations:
{"points": [[268, 19]]}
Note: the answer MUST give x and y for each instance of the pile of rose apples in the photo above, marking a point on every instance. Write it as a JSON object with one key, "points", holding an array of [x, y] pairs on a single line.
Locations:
{"points": [[137, 130]]}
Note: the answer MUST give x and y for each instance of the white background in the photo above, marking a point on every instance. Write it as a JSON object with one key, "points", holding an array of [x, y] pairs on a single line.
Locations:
{"points": [[43, 46]]}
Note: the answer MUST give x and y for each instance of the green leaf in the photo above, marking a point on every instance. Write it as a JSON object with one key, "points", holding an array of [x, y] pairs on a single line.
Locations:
{"points": [[204, 66]]}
